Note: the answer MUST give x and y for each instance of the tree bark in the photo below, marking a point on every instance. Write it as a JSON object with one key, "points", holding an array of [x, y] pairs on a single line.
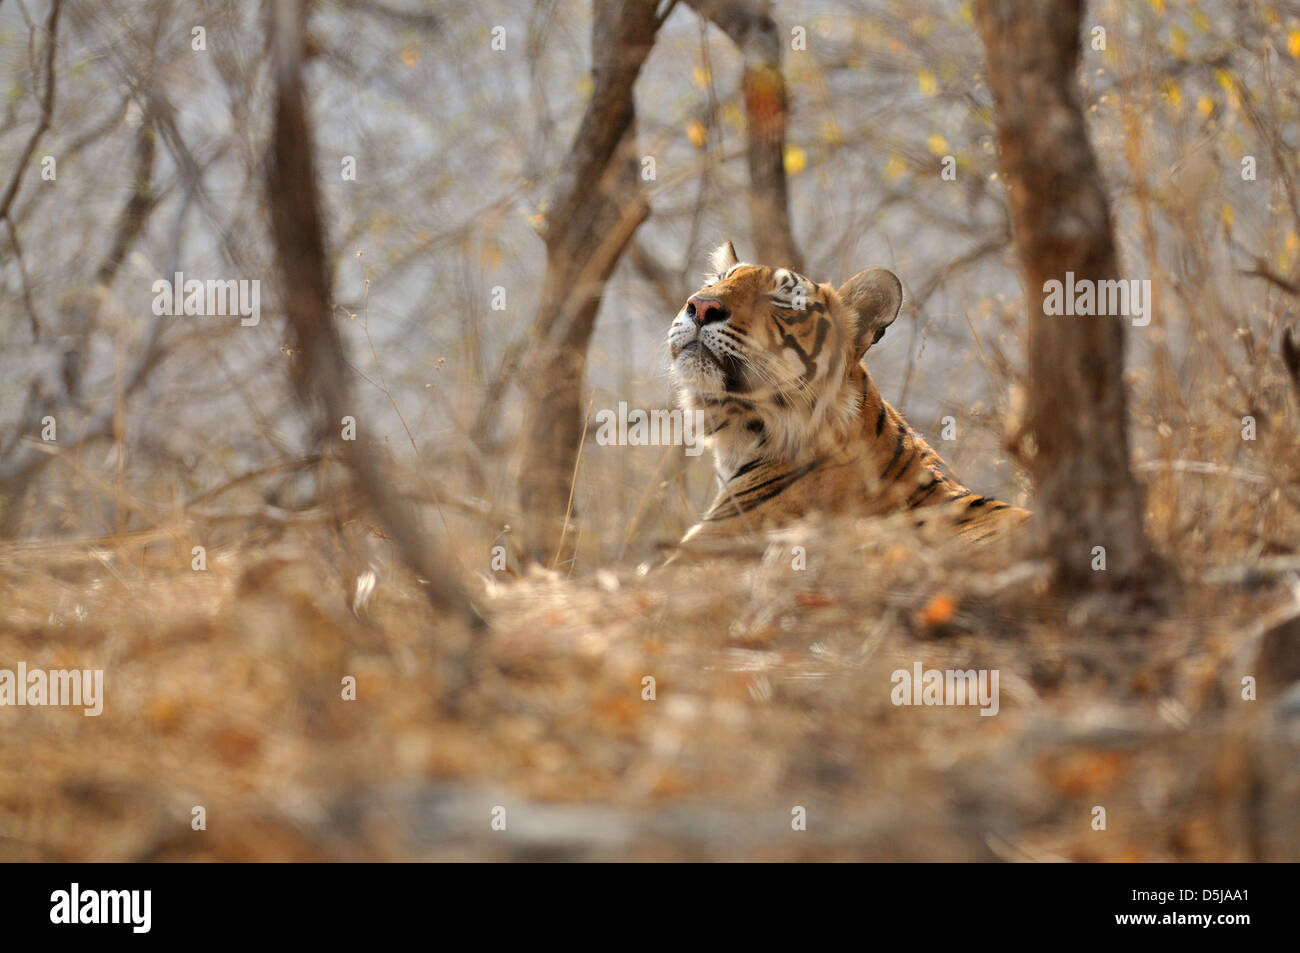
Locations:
{"points": [[320, 372], [1086, 495], [595, 208], [749, 25]]}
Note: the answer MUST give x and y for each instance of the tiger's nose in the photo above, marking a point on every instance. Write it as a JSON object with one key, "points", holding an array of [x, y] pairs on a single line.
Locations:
{"points": [[705, 310]]}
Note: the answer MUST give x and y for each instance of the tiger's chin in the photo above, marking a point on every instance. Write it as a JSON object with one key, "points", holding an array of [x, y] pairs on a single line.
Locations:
{"points": [[696, 371]]}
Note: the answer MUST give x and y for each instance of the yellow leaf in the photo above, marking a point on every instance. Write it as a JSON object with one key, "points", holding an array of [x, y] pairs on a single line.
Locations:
{"points": [[1226, 216], [1172, 92], [696, 132], [732, 116], [796, 160], [894, 169], [409, 56], [585, 85], [1292, 241], [1200, 21], [964, 12], [1158, 6], [927, 83], [831, 132], [1178, 43], [1205, 106], [937, 144], [1293, 44], [700, 77]]}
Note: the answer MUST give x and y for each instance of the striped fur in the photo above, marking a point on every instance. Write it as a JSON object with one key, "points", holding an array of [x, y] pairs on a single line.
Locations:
{"points": [[774, 362]]}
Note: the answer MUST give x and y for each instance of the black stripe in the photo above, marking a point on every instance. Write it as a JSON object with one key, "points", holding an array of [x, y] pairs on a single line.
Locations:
{"points": [[747, 491], [787, 481], [922, 493], [906, 463], [972, 501], [823, 328], [745, 501], [880, 421], [898, 452]]}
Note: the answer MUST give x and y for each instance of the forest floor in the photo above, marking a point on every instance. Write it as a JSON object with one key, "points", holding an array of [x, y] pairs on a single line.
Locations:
{"points": [[771, 733]]}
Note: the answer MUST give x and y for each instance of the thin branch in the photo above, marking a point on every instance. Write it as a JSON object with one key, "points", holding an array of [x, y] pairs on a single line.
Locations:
{"points": [[1261, 270], [47, 110], [32, 317]]}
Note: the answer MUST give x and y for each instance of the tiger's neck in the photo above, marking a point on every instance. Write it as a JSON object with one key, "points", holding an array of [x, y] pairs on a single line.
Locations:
{"points": [[897, 469], [745, 433], [900, 469]]}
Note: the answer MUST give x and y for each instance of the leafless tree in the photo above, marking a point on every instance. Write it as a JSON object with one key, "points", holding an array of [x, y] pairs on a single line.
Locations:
{"points": [[749, 25], [1086, 493], [596, 206], [320, 372]]}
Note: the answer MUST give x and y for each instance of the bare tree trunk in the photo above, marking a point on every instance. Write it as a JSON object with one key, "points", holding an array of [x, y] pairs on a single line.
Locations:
{"points": [[750, 26], [596, 207], [1086, 494], [320, 373]]}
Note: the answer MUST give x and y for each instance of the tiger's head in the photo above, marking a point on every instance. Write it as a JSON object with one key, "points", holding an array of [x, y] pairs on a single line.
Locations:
{"points": [[772, 358]]}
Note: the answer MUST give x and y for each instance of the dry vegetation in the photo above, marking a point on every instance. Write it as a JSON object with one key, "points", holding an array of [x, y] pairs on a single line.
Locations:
{"points": [[772, 684], [772, 690]]}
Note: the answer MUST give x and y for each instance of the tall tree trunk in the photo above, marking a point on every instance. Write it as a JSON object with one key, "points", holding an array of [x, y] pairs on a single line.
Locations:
{"points": [[1086, 494], [596, 207], [320, 372], [749, 25]]}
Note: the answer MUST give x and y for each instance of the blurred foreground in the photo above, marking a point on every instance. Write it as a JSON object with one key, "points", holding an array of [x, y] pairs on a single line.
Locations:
{"points": [[772, 692]]}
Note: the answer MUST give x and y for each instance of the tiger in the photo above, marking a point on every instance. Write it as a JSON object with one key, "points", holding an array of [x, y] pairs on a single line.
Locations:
{"points": [[772, 365]]}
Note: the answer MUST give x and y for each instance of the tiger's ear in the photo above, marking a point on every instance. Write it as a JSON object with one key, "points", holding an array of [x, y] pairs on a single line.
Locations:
{"points": [[723, 257], [874, 296]]}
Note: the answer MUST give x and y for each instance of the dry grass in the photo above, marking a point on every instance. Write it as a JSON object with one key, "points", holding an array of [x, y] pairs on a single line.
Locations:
{"points": [[772, 691]]}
